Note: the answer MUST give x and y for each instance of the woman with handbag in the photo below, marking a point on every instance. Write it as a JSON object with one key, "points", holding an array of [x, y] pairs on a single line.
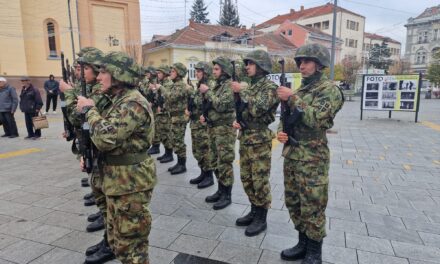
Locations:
{"points": [[30, 105]]}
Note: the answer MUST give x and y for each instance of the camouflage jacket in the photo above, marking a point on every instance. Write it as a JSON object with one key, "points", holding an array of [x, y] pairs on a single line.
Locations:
{"points": [[176, 100], [320, 100], [165, 88], [262, 102], [124, 128], [197, 98], [93, 92], [222, 111]]}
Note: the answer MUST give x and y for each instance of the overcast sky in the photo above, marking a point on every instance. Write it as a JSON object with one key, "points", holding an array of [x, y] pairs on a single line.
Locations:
{"points": [[384, 17]]}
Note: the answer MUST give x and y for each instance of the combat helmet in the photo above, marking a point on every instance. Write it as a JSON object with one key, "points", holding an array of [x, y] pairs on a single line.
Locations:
{"points": [[122, 67], [203, 66], [180, 69], [86, 49], [93, 58], [225, 64], [315, 52], [261, 59], [164, 68]]}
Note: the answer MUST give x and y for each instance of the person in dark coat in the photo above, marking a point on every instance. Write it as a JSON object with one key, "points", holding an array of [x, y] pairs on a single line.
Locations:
{"points": [[30, 105], [52, 88], [8, 106]]}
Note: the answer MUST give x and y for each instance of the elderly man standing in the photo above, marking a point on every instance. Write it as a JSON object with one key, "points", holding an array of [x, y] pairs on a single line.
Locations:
{"points": [[8, 105]]}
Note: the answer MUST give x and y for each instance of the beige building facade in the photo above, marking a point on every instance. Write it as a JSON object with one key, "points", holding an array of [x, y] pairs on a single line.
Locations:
{"points": [[34, 33]]}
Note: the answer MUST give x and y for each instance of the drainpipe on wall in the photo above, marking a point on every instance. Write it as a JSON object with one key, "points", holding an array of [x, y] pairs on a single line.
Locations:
{"points": [[77, 22]]}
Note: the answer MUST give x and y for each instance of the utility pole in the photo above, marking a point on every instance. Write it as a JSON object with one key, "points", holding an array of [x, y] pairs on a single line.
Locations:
{"points": [[71, 30], [332, 60], [185, 15]]}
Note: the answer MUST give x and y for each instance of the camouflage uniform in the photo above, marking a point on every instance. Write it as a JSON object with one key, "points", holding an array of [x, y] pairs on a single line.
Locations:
{"points": [[162, 118], [306, 165], [175, 103], [221, 133], [122, 133], [199, 131]]}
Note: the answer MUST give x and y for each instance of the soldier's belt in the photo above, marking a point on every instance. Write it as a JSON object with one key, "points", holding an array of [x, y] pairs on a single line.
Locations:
{"points": [[178, 113], [221, 123], [125, 159], [256, 126]]}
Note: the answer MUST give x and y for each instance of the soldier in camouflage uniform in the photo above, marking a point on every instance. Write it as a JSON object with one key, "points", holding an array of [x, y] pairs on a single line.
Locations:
{"points": [[122, 133], [260, 102], [306, 163], [91, 59], [199, 131], [149, 78], [222, 135], [163, 122], [175, 103]]}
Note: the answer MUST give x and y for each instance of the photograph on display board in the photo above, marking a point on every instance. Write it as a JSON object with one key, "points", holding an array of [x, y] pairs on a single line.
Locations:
{"points": [[407, 95], [389, 95], [372, 95], [406, 85], [388, 105], [371, 104], [389, 86], [406, 105], [372, 87]]}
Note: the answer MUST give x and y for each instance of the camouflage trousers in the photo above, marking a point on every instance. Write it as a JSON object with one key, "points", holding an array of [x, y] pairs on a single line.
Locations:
{"points": [[255, 163], [306, 195], [222, 151], [200, 147], [178, 138], [129, 225], [162, 130], [96, 185]]}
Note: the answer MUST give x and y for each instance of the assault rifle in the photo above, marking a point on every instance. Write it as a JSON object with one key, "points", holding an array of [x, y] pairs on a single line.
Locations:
{"points": [[68, 127], [240, 106], [288, 118], [85, 142]]}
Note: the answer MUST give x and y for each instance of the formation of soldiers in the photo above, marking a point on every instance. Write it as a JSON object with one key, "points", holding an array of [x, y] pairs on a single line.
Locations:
{"points": [[130, 110]]}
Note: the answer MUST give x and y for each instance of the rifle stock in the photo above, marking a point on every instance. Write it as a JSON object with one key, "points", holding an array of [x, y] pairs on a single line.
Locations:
{"points": [[240, 106], [68, 127], [85, 142]]}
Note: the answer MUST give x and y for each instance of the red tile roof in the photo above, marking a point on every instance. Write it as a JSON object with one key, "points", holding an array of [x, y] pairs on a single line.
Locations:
{"points": [[196, 34], [432, 11], [379, 37], [304, 13]]}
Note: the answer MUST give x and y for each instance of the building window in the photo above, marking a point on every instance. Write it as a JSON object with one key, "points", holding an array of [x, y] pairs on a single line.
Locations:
{"points": [[290, 32], [425, 37], [352, 25], [325, 24], [317, 25], [192, 70], [309, 25], [352, 43], [51, 39], [435, 35]]}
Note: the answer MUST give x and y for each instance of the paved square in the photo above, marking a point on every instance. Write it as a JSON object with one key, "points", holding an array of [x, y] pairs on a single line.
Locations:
{"points": [[384, 200]]}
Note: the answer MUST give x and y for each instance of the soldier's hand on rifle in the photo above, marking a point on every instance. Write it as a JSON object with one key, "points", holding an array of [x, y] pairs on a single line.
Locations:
{"points": [[83, 102], [64, 86], [236, 125], [236, 87], [81, 164], [203, 88], [284, 93], [152, 87], [202, 119], [187, 113], [282, 137]]}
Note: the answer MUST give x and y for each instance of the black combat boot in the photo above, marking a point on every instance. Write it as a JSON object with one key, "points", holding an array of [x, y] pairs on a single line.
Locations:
{"points": [[207, 181], [96, 225], [247, 219], [216, 196], [168, 157], [181, 166], [314, 252], [225, 198], [85, 182], [103, 254], [298, 251], [259, 223], [93, 249], [88, 196], [93, 217], [199, 178], [90, 202], [161, 157], [154, 149]]}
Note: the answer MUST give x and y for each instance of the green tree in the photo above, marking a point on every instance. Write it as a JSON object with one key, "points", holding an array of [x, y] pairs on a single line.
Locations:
{"points": [[338, 72], [198, 12], [229, 16], [380, 56], [434, 69]]}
